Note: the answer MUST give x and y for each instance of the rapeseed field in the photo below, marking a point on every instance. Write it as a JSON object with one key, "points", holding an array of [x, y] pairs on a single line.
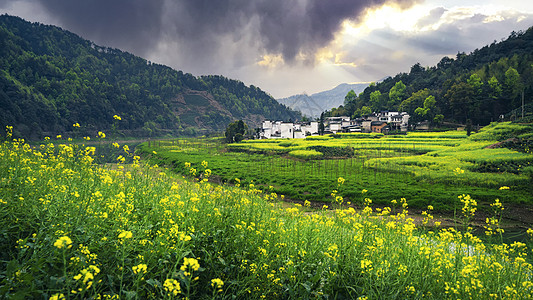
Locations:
{"points": [[73, 229]]}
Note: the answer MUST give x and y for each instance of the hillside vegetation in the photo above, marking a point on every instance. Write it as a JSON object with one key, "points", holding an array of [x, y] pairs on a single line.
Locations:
{"points": [[480, 86], [51, 79]]}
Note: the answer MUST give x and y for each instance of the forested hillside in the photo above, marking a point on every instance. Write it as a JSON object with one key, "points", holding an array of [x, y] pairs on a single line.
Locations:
{"points": [[480, 86], [51, 79]]}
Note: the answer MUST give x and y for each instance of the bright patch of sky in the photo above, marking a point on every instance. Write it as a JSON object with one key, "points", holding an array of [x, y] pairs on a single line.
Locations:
{"points": [[390, 40]]}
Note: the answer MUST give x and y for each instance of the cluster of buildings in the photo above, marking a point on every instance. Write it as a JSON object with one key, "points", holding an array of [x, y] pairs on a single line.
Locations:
{"points": [[381, 122]]}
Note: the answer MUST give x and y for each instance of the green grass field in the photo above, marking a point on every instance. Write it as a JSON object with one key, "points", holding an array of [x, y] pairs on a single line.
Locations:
{"points": [[73, 229], [428, 168]]}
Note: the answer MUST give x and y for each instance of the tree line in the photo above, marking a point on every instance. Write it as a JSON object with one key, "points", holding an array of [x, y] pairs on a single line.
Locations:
{"points": [[480, 86]]}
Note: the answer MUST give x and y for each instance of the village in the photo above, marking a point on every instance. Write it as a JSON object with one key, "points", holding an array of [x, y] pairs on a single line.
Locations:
{"points": [[382, 122]]}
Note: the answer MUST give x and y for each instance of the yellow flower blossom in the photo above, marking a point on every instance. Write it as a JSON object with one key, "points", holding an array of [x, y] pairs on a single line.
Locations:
{"points": [[172, 287], [63, 241], [140, 268], [125, 235], [57, 297], [217, 283], [190, 263]]}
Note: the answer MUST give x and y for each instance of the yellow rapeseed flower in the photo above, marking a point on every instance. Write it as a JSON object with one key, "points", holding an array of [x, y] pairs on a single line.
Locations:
{"points": [[140, 268], [63, 241], [458, 171], [125, 235], [57, 297], [172, 286], [117, 117], [217, 283], [190, 262], [530, 232]]}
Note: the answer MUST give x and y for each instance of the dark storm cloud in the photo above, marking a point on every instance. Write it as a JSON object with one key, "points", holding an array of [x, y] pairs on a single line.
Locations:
{"points": [[286, 27], [129, 23]]}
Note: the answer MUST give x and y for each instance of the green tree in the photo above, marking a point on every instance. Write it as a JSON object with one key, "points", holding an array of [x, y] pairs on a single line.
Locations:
{"points": [[437, 120], [475, 82], [321, 127], [363, 111], [376, 101], [468, 127], [428, 110], [396, 95], [416, 100], [512, 87], [236, 131], [495, 88], [350, 97], [460, 97]]}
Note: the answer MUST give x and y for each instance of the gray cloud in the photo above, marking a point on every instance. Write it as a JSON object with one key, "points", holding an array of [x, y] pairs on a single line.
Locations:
{"points": [[433, 17], [131, 24], [286, 27]]}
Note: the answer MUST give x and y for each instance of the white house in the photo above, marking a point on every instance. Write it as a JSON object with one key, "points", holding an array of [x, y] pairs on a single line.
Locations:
{"points": [[337, 124], [278, 129], [395, 119], [376, 122], [287, 130]]}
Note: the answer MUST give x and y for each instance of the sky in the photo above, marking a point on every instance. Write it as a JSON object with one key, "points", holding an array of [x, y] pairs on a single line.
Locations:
{"points": [[286, 47]]}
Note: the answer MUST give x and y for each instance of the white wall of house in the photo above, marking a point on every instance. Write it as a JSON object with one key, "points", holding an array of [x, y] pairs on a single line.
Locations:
{"points": [[307, 128], [405, 121], [267, 124], [335, 127], [367, 126], [287, 130], [298, 134]]}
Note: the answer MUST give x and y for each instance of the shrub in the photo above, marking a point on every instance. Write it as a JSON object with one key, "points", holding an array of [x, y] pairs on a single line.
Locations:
{"points": [[306, 154]]}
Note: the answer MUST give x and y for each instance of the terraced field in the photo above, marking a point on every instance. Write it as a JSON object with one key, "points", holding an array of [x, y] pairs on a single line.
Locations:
{"points": [[426, 168]]}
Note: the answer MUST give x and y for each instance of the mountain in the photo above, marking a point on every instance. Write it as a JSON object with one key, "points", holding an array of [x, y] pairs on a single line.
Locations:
{"points": [[51, 79], [314, 105], [479, 87]]}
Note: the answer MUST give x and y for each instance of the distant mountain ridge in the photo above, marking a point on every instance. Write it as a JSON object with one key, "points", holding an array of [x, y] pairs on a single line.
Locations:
{"points": [[51, 79], [315, 104]]}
